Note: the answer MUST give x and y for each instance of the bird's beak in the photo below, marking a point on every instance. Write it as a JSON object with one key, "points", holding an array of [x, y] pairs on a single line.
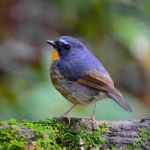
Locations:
{"points": [[55, 55], [51, 43]]}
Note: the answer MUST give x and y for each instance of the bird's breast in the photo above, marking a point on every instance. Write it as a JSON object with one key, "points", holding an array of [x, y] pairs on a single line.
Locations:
{"points": [[72, 90]]}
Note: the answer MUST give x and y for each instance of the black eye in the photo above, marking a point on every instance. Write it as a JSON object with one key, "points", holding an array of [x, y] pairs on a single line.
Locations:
{"points": [[67, 46]]}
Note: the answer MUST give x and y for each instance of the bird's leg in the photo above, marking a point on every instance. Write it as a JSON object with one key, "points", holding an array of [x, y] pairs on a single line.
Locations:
{"points": [[93, 114], [65, 114]]}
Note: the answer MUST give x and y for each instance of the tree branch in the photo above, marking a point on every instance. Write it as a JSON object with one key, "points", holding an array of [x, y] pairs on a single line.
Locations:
{"points": [[75, 133]]}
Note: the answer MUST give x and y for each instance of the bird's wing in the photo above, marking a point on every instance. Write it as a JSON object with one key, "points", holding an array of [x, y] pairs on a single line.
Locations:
{"points": [[100, 81]]}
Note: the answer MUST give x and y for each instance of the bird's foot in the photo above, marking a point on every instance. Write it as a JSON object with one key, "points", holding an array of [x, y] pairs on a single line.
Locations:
{"points": [[93, 122], [93, 118], [64, 119]]}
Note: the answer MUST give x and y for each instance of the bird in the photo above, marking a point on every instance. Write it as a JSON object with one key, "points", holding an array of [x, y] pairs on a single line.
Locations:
{"points": [[80, 77]]}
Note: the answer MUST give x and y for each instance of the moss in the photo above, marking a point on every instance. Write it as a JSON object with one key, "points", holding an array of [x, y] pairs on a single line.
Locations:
{"points": [[140, 142], [49, 134], [9, 139]]}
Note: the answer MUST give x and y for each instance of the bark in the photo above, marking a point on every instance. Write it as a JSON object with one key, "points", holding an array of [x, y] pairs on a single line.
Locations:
{"points": [[120, 134]]}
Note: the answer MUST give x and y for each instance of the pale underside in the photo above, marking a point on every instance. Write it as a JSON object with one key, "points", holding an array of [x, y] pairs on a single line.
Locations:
{"points": [[74, 91]]}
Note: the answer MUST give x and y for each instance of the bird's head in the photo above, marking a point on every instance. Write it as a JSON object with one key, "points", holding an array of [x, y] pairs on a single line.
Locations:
{"points": [[66, 45]]}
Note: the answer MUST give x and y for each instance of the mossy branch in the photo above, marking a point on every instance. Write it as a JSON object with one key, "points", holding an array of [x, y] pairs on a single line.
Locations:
{"points": [[75, 133]]}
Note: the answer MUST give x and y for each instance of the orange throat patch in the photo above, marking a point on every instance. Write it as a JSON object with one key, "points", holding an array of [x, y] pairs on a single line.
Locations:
{"points": [[54, 56]]}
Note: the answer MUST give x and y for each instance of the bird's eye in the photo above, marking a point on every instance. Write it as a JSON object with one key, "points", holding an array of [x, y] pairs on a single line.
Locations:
{"points": [[67, 46]]}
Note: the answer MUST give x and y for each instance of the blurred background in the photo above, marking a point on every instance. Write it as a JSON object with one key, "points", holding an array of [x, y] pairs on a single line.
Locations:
{"points": [[118, 33]]}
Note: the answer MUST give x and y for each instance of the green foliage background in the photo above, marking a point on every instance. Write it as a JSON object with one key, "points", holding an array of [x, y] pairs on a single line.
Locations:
{"points": [[118, 33]]}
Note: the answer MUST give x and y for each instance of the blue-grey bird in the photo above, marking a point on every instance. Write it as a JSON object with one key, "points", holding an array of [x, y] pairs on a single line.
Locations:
{"points": [[80, 77]]}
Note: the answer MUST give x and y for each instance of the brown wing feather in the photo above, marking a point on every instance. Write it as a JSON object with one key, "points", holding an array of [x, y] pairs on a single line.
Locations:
{"points": [[99, 81], [101, 78]]}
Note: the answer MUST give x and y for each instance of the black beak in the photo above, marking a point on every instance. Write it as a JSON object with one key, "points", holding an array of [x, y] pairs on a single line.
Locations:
{"points": [[51, 43]]}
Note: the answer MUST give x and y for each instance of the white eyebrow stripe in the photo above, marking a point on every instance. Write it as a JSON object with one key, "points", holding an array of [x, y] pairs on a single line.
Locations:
{"points": [[63, 41]]}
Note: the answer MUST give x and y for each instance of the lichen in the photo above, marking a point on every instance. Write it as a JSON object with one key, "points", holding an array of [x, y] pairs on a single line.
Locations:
{"points": [[49, 134], [141, 141]]}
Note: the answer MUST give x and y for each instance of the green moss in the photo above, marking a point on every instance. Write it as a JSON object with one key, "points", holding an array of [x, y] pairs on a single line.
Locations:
{"points": [[55, 134], [9, 139], [49, 134], [140, 142]]}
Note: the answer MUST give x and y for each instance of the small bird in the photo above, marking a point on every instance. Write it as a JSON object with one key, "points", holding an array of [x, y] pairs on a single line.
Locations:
{"points": [[80, 77]]}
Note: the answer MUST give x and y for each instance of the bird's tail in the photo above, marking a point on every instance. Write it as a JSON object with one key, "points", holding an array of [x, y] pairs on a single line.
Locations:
{"points": [[120, 101]]}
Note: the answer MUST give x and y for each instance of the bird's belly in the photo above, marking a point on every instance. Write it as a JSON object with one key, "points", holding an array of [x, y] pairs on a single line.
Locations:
{"points": [[72, 90]]}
